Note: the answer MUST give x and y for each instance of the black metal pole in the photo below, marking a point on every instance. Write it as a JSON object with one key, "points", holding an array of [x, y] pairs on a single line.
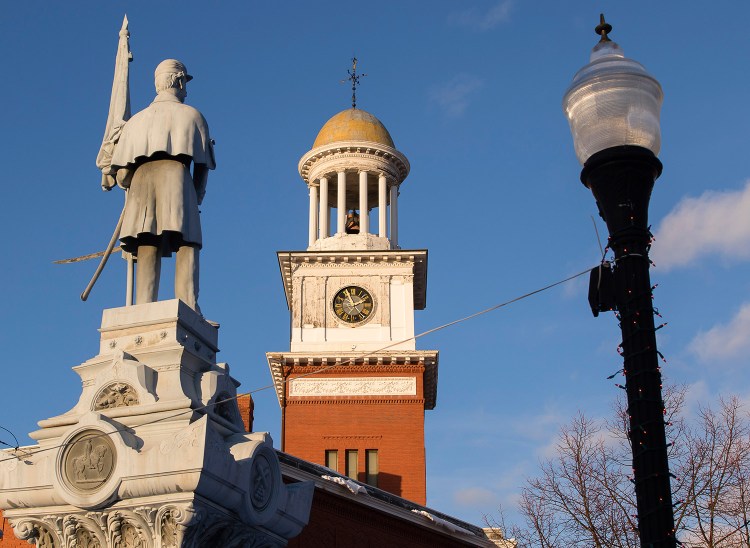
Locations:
{"points": [[621, 179]]}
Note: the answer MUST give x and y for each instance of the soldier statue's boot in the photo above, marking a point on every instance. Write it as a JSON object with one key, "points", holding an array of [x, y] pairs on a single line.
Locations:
{"points": [[186, 276], [148, 271]]}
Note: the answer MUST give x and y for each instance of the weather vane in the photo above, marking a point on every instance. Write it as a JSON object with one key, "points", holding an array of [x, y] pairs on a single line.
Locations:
{"points": [[354, 78]]}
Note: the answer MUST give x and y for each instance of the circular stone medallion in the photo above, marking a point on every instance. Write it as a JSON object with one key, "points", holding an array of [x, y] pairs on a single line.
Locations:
{"points": [[261, 482], [88, 461]]}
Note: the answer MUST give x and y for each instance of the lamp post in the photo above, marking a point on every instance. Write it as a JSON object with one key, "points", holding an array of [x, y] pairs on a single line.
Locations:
{"points": [[613, 108]]}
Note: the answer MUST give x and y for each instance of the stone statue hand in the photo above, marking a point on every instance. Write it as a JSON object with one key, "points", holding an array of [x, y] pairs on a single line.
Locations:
{"points": [[124, 176], [108, 182], [200, 179]]}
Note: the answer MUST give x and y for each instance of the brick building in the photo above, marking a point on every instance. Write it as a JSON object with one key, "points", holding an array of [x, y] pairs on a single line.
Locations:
{"points": [[353, 388]]}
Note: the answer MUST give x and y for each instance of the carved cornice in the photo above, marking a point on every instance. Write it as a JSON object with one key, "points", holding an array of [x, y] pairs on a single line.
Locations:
{"points": [[361, 367], [328, 166], [354, 156], [423, 362], [289, 261], [172, 525]]}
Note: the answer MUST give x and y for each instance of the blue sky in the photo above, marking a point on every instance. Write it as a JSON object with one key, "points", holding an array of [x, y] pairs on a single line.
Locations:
{"points": [[471, 93]]}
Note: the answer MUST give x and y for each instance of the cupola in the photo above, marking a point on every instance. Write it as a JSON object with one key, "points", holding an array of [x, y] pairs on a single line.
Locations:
{"points": [[354, 169]]}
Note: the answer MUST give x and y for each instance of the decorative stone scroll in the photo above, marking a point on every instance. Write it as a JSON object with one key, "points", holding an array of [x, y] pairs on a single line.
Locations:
{"points": [[117, 394], [85, 539], [36, 533], [169, 530], [45, 538], [129, 538], [358, 386]]}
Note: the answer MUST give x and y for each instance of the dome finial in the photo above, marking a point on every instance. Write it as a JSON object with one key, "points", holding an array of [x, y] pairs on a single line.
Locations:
{"points": [[354, 78], [603, 29]]}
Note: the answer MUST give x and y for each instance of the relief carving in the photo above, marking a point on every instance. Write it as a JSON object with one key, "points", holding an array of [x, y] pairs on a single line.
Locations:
{"points": [[129, 538], [372, 386], [89, 461], [117, 394], [123, 533], [36, 533], [181, 440], [45, 538], [262, 482], [85, 539], [173, 523], [169, 530]]}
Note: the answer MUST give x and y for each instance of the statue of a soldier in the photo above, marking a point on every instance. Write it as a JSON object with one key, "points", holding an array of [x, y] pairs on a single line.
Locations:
{"points": [[152, 160]]}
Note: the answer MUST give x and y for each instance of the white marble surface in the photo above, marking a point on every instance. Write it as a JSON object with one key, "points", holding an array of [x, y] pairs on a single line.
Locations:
{"points": [[160, 452]]}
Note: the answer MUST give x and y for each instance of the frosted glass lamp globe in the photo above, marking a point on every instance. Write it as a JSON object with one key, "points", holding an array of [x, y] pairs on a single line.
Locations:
{"points": [[613, 101]]}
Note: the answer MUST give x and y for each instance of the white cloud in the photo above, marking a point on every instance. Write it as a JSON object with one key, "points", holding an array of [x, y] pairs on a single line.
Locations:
{"points": [[716, 223], [484, 19], [474, 496], [696, 396], [453, 96], [724, 341]]}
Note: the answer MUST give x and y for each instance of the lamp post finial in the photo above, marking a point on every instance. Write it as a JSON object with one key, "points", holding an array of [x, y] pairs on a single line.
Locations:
{"points": [[603, 29]]}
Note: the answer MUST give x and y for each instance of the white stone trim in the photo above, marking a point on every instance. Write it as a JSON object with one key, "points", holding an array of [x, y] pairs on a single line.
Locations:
{"points": [[354, 386], [353, 155]]}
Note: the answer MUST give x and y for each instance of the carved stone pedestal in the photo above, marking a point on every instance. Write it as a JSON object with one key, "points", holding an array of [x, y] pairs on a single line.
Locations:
{"points": [[154, 454]]}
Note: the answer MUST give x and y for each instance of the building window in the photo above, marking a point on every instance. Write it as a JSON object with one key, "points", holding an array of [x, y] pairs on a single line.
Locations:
{"points": [[332, 459], [352, 458], [371, 467]]}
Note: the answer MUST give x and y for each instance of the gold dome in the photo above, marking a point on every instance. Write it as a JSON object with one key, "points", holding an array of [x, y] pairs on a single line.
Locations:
{"points": [[353, 125]]}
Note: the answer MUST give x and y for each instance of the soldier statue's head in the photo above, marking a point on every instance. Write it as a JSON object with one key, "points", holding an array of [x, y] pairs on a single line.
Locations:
{"points": [[171, 74]]}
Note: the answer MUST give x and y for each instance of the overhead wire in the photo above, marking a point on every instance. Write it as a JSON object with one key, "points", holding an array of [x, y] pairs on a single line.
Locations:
{"points": [[361, 355]]}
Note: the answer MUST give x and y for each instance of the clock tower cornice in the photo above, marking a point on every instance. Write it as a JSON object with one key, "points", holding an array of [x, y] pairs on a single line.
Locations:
{"points": [[290, 261], [284, 364]]}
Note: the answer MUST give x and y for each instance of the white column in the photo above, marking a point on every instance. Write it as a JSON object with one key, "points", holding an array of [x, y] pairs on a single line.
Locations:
{"points": [[382, 208], [324, 211], [313, 227], [394, 217], [341, 204], [364, 217]]}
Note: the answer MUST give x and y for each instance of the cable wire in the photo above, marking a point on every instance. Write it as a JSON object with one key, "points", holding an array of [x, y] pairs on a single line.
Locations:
{"points": [[324, 368]]}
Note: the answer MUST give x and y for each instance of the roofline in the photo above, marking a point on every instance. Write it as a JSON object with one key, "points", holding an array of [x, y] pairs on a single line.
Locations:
{"points": [[301, 470]]}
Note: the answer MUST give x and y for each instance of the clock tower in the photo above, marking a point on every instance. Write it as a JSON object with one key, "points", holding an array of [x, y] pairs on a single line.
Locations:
{"points": [[353, 388]]}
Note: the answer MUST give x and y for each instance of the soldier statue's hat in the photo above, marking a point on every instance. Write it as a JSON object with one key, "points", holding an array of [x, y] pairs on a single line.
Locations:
{"points": [[172, 66]]}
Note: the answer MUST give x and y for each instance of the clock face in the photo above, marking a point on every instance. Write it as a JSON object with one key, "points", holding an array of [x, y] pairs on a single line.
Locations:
{"points": [[352, 304]]}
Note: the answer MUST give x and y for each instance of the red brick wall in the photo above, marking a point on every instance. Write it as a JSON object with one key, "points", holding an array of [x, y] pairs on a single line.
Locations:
{"points": [[8, 539], [247, 408], [395, 427]]}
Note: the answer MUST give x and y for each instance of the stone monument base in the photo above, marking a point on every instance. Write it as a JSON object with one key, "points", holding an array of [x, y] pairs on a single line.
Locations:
{"points": [[154, 454]]}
